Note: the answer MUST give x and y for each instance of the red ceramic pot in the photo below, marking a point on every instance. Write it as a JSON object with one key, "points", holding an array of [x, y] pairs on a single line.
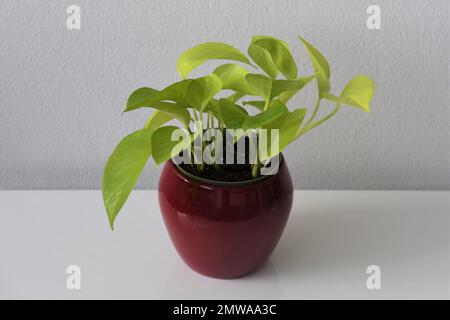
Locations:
{"points": [[224, 230]]}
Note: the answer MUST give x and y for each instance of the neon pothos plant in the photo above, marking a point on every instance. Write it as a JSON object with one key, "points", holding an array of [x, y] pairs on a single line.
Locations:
{"points": [[268, 89]]}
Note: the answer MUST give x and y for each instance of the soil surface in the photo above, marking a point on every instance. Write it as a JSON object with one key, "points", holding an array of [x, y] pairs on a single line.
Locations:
{"points": [[224, 172]]}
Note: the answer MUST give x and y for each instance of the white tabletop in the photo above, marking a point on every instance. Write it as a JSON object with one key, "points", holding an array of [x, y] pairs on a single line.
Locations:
{"points": [[330, 240]]}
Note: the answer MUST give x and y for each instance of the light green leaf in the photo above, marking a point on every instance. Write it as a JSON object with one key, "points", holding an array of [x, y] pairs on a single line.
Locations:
{"points": [[320, 65], [148, 97], [257, 104], [260, 85], [197, 55], [233, 116], [202, 90], [357, 93], [158, 119], [287, 95], [262, 58], [233, 77], [271, 88], [257, 121], [235, 96], [285, 86], [163, 148], [287, 124], [141, 98], [280, 55], [213, 106], [122, 170]]}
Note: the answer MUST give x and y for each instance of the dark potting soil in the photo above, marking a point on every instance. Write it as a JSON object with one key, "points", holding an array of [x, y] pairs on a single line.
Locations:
{"points": [[222, 172]]}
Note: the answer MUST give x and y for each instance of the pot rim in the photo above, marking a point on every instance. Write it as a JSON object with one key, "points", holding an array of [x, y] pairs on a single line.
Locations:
{"points": [[215, 183]]}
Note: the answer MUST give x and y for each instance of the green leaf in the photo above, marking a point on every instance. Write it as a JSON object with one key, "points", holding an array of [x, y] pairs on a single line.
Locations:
{"points": [[122, 170], [176, 92], [197, 55], [257, 104], [357, 93], [158, 119], [141, 98], [271, 88], [233, 77], [257, 121], [280, 55], [260, 85], [163, 148], [320, 65], [262, 58], [287, 124], [202, 90], [287, 95], [284, 86], [233, 116], [213, 106], [235, 97], [148, 97]]}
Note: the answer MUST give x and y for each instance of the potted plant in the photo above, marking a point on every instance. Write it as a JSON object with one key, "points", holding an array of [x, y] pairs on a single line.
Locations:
{"points": [[225, 217]]}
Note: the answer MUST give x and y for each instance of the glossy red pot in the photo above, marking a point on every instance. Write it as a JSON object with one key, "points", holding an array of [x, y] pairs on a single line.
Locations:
{"points": [[224, 230]]}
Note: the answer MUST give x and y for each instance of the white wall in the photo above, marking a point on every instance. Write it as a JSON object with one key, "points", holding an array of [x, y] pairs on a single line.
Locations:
{"points": [[62, 92]]}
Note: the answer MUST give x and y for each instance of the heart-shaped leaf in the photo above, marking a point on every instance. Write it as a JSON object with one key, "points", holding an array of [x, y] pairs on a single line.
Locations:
{"points": [[257, 104], [233, 116], [202, 90], [122, 170], [280, 55], [287, 95], [320, 65], [197, 55], [286, 86], [148, 97], [357, 93], [164, 143], [287, 126], [260, 85], [158, 119], [260, 119], [214, 107], [262, 58], [233, 77], [271, 88], [235, 96], [140, 98]]}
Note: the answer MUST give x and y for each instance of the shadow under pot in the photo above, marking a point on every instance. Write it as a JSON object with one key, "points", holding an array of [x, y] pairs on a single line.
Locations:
{"points": [[225, 229]]}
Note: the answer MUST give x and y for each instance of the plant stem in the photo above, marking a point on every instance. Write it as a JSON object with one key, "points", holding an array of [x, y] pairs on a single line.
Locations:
{"points": [[267, 104], [257, 164], [194, 113], [197, 117], [314, 114], [309, 127], [255, 169]]}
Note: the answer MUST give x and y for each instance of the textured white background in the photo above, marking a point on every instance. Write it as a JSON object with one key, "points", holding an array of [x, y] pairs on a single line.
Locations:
{"points": [[62, 92]]}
